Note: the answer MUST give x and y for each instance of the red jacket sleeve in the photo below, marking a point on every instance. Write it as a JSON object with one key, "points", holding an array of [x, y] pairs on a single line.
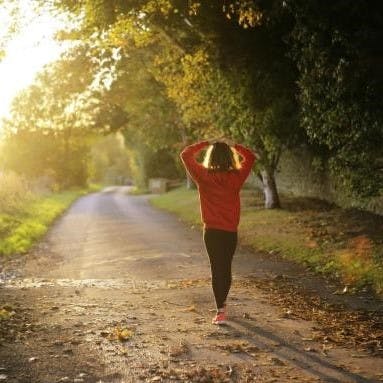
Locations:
{"points": [[188, 155], [247, 163]]}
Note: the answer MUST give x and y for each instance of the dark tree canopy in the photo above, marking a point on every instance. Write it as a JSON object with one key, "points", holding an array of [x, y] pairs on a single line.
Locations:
{"points": [[338, 50]]}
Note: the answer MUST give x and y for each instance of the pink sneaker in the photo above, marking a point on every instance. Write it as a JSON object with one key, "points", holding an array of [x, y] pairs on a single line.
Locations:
{"points": [[220, 318]]}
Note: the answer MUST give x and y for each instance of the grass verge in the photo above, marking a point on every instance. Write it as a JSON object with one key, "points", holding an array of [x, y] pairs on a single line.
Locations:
{"points": [[346, 244], [135, 190], [21, 229]]}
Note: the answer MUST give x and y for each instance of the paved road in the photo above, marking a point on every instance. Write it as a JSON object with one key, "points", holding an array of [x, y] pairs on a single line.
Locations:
{"points": [[112, 235], [120, 292]]}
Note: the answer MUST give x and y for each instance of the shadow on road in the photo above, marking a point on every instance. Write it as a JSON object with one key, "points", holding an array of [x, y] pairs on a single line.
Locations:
{"points": [[304, 360]]}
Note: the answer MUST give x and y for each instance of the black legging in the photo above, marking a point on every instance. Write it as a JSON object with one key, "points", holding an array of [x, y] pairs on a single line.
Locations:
{"points": [[220, 246]]}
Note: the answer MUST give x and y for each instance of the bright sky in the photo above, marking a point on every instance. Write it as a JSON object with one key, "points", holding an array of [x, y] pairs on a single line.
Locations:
{"points": [[27, 52]]}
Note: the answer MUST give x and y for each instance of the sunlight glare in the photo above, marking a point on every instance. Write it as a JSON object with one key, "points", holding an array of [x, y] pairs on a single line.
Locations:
{"points": [[27, 52]]}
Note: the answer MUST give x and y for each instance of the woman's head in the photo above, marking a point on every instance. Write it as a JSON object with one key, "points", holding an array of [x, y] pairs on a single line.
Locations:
{"points": [[221, 157]]}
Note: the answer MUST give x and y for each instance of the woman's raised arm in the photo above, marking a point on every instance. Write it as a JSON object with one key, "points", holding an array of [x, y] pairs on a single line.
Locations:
{"points": [[188, 158], [247, 163]]}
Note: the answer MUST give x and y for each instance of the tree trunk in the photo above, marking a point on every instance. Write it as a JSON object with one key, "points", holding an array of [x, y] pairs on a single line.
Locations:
{"points": [[270, 190], [189, 182]]}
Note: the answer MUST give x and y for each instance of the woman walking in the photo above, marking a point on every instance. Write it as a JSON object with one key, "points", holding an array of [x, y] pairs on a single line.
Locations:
{"points": [[219, 180]]}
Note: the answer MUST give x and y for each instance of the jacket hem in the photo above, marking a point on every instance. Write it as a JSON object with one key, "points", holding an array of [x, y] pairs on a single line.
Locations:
{"points": [[219, 227]]}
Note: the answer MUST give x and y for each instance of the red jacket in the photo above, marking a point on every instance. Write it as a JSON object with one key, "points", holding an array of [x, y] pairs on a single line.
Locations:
{"points": [[218, 191]]}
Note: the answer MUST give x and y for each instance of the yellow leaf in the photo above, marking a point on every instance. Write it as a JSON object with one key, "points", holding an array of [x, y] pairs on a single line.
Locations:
{"points": [[5, 314], [189, 309], [124, 334]]}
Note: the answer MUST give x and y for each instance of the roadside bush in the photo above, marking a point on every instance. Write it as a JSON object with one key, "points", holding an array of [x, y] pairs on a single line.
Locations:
{"points": [[14, 192]]}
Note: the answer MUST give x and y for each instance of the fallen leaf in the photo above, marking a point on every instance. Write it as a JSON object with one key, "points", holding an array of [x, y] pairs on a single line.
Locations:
{"points": [[124, 334], [32, 359], [311, 244], [189, 309], [121, 334], [5, 314], [178, 350], [230, 371]]}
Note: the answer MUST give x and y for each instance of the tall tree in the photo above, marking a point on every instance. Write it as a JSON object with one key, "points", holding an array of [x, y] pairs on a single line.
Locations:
{"points": [[338, 49], [62, 109]]}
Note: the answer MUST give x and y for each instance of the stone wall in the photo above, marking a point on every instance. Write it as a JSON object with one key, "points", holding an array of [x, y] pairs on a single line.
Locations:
{"points": [[301, 174], [297, 175]]}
